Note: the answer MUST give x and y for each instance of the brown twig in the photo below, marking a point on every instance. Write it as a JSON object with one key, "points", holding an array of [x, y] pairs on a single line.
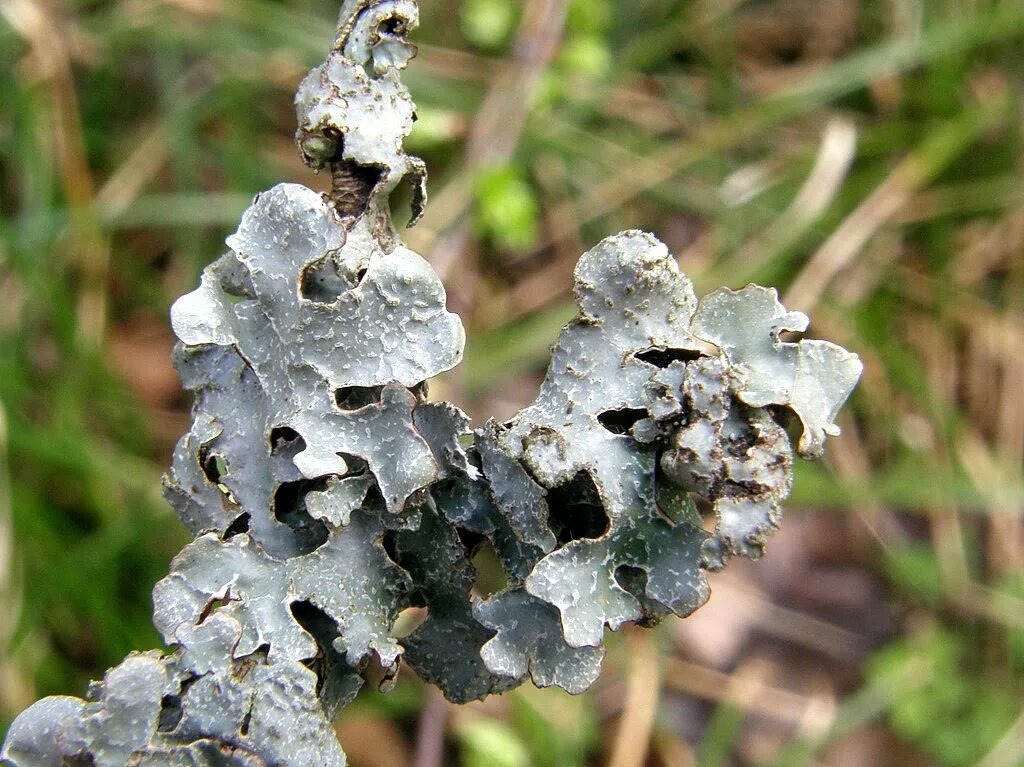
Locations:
{"points": [[430, 735]]}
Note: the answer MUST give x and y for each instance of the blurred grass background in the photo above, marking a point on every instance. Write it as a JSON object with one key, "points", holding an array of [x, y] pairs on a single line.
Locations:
{"points": [[865, 156]]}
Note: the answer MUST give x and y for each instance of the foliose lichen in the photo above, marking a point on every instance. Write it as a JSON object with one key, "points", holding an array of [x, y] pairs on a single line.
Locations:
{"points": [[327, 495]]}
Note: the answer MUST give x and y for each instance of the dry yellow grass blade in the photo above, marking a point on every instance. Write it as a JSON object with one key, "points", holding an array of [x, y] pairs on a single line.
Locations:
{"points": [[918, 168], [752, 694], [643, 692], [15, 690], [835, 156], [49, 61], [1007, 752]]}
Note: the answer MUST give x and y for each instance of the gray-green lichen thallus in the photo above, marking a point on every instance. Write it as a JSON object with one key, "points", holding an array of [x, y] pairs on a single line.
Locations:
{"points": [[327, 495]]}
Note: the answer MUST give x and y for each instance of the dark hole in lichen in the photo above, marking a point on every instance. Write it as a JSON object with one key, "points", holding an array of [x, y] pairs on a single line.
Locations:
{"points": [[420, 391], [213, 605], [356, 397], [739, 440], [622, 420], [356, 466], [290, 509], [471, 541], [214, 466], [240, 526], [374, 501], [171, 709], [788, 421], [79, 760], [325, 280], [244, 665], [416, 598], [662, 357], [390, 545], [282, 437], [352, 185], [243, 730], [746, 489], [321, 626], [634, 580], [331, 669], [490, 574], [170, 713], [285, 445], [575, 510], [393, 26], [706, 510]]}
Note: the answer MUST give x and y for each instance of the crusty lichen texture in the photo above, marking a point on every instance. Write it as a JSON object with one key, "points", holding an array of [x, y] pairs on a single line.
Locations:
{"points": [[327, 495]]}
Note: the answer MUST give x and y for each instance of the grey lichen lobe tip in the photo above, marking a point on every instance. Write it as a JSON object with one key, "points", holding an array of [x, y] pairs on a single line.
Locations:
{"points": [[354, 113], [327, 495]]}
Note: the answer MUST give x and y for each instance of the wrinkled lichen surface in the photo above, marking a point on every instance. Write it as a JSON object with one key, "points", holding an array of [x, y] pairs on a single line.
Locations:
{"points": [[327, 495]]}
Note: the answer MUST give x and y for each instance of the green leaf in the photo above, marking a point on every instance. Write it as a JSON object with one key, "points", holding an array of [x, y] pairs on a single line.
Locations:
{"points": [[915, 570], [434, 127], [488, 24], [507, 210], [957, 715], [588, 55], [489, 743], [589, 16]]}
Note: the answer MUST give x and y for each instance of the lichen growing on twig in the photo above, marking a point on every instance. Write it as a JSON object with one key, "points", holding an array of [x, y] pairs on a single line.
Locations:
{"points": [[328, 495]]}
